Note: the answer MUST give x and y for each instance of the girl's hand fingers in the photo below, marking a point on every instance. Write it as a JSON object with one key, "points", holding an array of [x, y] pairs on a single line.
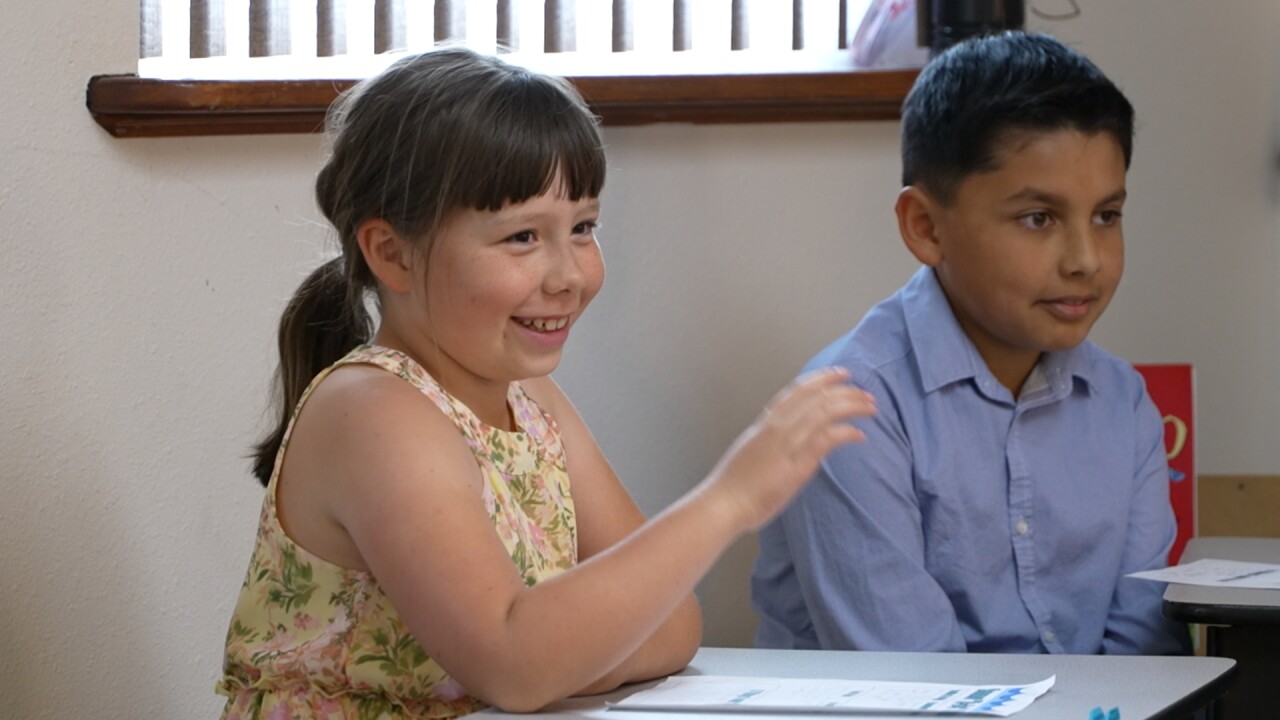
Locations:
{"points": [[815, 401], [778, 454]]}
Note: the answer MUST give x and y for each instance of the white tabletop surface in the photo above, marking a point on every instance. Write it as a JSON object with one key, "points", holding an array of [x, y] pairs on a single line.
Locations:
{"points": [[1142, 687], [1248, 549]]}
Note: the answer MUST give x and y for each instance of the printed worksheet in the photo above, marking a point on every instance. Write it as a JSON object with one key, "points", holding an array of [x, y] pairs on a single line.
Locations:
{"points": [[716, 693], [1218, 573]]}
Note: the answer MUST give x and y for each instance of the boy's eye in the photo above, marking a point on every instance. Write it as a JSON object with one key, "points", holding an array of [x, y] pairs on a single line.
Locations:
{"points": [[1035, 220], [524, 237], [585, 228], [1108, 217]]}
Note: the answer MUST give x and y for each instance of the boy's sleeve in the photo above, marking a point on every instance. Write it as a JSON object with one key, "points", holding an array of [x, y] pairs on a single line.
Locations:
{"points": [[1135, 623], [856, 540]]}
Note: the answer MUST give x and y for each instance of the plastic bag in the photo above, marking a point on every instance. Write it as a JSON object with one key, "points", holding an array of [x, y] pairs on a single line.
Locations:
{"points": [[886, 37]]}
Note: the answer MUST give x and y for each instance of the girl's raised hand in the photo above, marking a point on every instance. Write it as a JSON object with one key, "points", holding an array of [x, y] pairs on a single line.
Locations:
{"points": [[773, 458]]}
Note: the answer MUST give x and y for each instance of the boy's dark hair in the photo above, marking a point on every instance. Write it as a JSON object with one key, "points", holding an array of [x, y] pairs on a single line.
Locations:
{"points": [[968, 98]]}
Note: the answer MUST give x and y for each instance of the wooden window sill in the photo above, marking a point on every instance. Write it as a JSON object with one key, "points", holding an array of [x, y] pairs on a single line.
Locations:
{"points": [[129, 106]]}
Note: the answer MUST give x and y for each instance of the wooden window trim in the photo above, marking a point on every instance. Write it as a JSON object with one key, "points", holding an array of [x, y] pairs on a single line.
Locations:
{"points": [[128, 106]]}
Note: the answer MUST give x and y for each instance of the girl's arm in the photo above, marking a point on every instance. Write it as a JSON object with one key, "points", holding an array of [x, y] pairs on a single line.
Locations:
{"points": [[392, 473], [606, 515]]}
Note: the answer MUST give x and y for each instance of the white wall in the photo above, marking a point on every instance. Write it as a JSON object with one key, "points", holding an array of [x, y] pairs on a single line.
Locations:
{"points": [[141, 280]]}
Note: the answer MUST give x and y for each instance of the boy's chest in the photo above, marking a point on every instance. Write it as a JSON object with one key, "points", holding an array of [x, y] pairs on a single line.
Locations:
{"points": [[989, 476]]}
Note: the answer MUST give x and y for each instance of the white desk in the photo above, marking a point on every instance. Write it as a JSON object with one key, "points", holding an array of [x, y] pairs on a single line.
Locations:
{"points": [[1243, 624], [1142, 687], [1226, 606]]}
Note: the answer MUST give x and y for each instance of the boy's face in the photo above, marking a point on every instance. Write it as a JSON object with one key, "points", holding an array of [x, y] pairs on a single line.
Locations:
{"points": [[1030, 253]]}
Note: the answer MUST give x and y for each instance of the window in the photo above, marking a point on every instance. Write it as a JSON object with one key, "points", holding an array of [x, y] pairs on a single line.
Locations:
{"points": [[256, 66]]}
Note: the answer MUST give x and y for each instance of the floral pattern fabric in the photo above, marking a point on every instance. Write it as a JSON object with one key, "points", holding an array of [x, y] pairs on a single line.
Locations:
{"points": [[310, 640]]}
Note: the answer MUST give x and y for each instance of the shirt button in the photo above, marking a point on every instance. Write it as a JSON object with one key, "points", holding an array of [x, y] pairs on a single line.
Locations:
{"points": [[1049, 637], [1022, 527]]}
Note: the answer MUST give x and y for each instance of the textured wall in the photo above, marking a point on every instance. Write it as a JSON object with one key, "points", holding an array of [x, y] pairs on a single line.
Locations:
{"points": [[141, 281]]}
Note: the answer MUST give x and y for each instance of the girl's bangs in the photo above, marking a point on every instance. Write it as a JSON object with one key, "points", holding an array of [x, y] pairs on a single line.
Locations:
{"points": [[541, 136]]}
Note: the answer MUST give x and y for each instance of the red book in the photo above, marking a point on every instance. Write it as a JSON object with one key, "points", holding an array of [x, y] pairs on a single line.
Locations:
{"points": [[1172, 388]]}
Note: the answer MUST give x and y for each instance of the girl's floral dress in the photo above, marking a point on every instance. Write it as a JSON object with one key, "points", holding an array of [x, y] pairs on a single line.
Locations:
{"points": [[310, 639]]}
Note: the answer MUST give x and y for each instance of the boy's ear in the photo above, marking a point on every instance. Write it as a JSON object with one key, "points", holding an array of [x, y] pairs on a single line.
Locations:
{"points": [[917, 213], [388, 255]]}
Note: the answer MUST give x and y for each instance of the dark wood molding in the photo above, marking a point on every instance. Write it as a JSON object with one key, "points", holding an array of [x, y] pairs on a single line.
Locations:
{"points": [[129, 106]]}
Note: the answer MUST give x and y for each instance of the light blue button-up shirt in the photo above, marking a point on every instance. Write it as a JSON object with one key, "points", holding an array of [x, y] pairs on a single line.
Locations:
{"points": [[968, 520]]}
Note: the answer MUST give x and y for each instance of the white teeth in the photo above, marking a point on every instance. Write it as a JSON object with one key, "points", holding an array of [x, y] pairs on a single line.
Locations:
{"points": [[545, 324]]}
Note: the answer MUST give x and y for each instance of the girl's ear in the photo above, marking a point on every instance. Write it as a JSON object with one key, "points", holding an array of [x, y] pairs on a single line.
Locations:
{"points": [[389, 256], [917, 223]]}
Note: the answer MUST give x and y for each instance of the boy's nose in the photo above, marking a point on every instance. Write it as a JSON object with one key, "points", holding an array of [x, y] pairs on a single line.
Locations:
{"points": [[1081, 256]]}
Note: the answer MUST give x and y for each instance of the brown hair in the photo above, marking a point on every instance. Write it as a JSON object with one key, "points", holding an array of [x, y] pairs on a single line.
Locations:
{"points": [[433, 133]]}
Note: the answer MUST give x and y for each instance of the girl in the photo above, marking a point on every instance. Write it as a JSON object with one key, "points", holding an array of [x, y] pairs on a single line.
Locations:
{"points": [[440, 531]]}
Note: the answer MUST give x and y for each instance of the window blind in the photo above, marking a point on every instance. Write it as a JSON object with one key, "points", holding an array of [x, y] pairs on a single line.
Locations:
{"points": [[343, 39]]}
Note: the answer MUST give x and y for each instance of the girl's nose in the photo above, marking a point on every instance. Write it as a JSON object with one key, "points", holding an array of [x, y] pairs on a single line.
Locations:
{"points": [[564, 271]]}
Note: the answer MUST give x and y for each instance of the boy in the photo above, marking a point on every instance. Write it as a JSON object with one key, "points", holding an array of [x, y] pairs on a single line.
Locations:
{"points": [[1015, 472]]}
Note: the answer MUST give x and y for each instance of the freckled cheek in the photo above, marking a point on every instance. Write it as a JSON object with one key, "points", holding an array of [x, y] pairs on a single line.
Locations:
{"points": [[494, 302], [496, 288]]}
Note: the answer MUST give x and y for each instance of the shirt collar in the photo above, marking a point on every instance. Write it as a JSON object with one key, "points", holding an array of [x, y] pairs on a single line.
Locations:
{"points": [[945, 355]]}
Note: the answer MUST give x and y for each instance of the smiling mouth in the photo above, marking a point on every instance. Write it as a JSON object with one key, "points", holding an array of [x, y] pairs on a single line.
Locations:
{"points": [[544, 324]]}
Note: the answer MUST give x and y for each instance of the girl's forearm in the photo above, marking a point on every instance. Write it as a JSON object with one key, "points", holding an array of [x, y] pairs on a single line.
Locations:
{"points": [[602, 613], [668, 650]]}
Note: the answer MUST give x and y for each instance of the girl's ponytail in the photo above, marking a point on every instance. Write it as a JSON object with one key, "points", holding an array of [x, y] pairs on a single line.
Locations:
{"points": [[325, 319]]}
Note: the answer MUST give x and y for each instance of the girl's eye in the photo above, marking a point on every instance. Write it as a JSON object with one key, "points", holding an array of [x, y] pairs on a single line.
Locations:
{"points": [[1035, 220], [585, 228], [524, 237]]}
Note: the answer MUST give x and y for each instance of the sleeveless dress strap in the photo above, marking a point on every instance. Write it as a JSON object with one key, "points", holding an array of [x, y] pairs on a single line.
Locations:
{"points": [[408, 369]]}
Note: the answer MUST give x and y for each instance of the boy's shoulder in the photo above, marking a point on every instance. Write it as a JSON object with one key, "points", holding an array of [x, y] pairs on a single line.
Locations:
{"points": [[882, 340], [878, 339], [913, 331]]}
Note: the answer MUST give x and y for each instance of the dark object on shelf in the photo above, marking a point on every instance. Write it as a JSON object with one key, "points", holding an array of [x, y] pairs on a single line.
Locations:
{"points": [[943, 23]]}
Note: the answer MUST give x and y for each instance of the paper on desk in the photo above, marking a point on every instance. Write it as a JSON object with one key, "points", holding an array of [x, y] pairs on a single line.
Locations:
{"points": [[712, 693], [1218, 573]]}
